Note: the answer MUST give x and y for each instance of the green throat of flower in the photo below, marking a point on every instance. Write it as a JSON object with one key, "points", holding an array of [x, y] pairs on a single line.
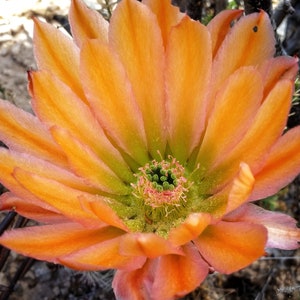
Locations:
{"points": [[159, 198]]}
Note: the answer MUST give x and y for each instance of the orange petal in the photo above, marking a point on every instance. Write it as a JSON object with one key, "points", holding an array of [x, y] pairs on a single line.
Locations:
{"points": [[220, 26], [265, 130], [282, 229], [240, 46], [49, 242], [176, 275], [281, 167], [134, 285], [86, 23], [63, 108], [85, 163], [231, 246], [241, 188], [23, 132], [110, 95], [34, 165], [277, 68], [167, 16], [231, 116], [99, 206], [164, 278], [190, 229], [139, 30], [54, 194], [187, 85], [101, 256], [56, 52], [146, 244], [29, 209]]}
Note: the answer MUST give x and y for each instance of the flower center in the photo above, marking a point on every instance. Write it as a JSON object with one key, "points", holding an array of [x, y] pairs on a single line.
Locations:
{"points": [[161, 184]]}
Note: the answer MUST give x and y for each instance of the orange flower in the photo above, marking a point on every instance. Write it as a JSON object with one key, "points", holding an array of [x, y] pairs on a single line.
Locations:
{"points": [[152, 134]]}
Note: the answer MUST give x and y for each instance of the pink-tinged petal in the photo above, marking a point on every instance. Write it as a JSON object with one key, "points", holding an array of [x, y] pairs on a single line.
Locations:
{"points": [[282, 230], [99, 206], [37, 166], [110, 95], [220, 26], [277, 68], [176, 275], [30, 210], [164, 278], [63, 108], [49, 242], [101, 256], [139, 30], [241, 188], [86, 23], [254, 147], [55, 51], [134, 285], [281, 167], [61, 197], [86, 164], [240, 48], [187, 85], [190, 229], [231, 246], [235, 107], [167, 16], [147, 244], [23, 132]]}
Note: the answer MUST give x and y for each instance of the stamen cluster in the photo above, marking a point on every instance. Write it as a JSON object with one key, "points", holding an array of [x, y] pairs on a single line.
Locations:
{"points": [[161, 183]]}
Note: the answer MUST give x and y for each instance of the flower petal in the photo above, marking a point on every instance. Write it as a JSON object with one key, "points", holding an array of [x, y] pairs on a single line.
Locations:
{"points": [[282, 230], [54, 51], [146, 244], [177, 275], [85, 163], [281, 167], [241, 188], [190, 229], [230, 246], [164, 278], [110, 95], [187, 85], [167, 16], [256, 143], [63, 108], [239, 48], [99, 206], [277, 68], [101, 256], [134, 285], [49, 242], [34, 165], [54, 194], [231, 116], [23, 132], [139, 30], [86, 23], [220, 26], [30, 209]]}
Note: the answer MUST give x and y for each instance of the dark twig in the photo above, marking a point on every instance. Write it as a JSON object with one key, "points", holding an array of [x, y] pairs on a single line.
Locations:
{"points": [[24, 267], [9, 221]]}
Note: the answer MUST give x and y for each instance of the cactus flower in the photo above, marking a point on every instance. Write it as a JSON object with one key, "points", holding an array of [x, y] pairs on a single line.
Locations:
{"points": [[151, 136]]}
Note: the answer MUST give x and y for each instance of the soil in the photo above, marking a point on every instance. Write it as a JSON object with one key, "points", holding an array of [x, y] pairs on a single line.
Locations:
{"points": [[276, 276]]}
